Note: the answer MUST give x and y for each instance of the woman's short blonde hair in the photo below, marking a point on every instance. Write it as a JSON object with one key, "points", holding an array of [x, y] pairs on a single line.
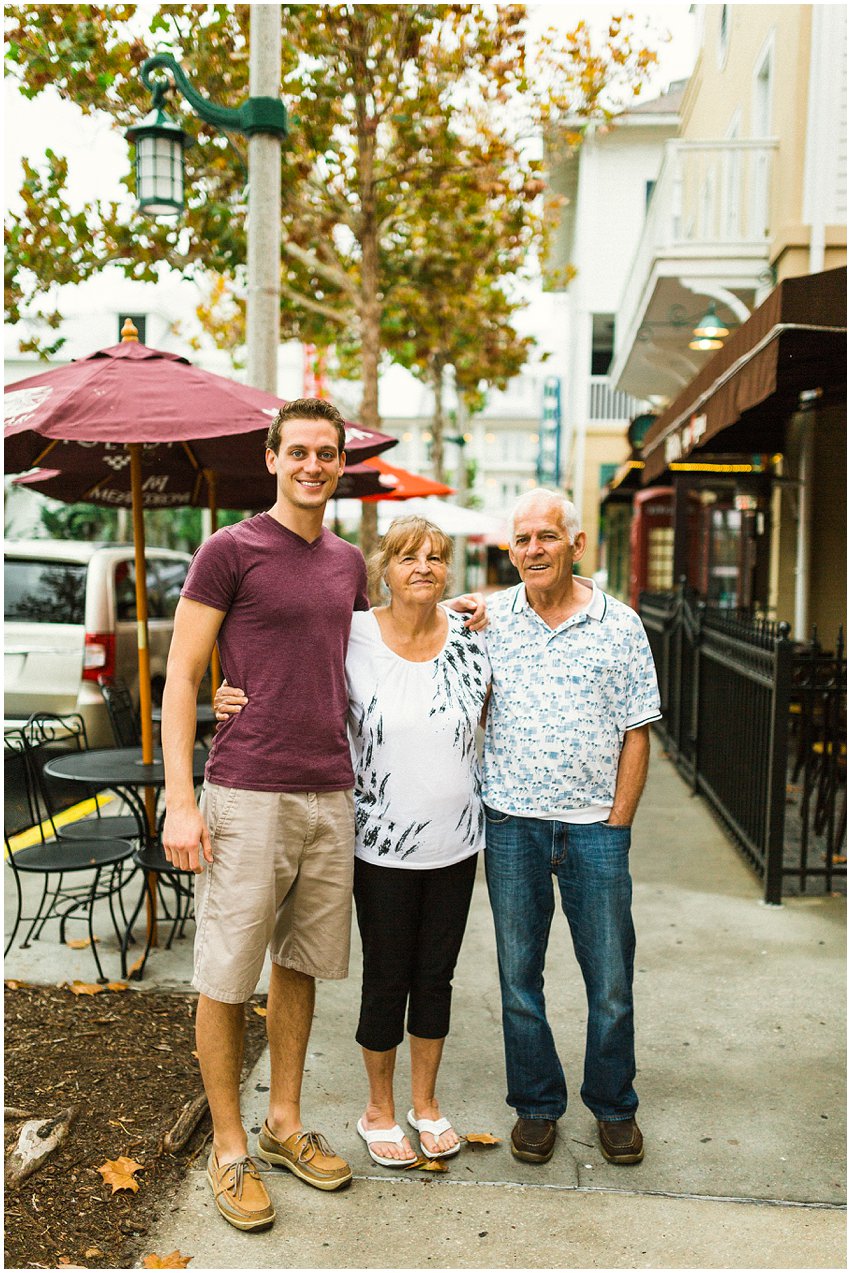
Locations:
{"points": [[408, 534]]}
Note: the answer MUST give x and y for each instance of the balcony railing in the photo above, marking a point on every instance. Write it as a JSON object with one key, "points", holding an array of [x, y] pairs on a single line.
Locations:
{"points": [[711, 199], [607, 403]]}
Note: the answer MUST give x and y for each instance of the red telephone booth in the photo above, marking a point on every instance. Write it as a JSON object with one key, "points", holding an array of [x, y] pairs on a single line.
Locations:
{"points": [[651, 541]]}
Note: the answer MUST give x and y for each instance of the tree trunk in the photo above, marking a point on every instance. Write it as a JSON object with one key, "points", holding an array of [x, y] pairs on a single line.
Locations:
{"points": [[370, 314], [437, 421]]}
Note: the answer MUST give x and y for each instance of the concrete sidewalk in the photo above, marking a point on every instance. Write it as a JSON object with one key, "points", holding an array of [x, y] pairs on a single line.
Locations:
{"points": [[740, 1012]]}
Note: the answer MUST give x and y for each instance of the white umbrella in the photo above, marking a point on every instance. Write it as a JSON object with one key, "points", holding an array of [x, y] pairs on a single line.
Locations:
{"points": [[451, 518]]}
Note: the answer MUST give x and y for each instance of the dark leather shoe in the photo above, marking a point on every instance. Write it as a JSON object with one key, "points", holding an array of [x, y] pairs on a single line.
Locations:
{"points": [[621, 1142], [533, 1139]]}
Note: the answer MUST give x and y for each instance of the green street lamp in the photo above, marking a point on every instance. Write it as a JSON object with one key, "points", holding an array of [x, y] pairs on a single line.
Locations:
{"points": [[160, 142], [262, 118]]}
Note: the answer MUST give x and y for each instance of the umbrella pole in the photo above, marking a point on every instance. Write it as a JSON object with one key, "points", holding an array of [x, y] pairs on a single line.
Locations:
{"points": [[145, 711], [215, 662]]}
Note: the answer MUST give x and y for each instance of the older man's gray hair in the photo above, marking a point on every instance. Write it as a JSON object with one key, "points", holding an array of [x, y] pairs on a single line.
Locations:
{"points": [[544, 495]]}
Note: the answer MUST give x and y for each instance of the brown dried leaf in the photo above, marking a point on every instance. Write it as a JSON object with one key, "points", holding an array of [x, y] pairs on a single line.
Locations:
{"points": [[174, 1260], [83, 988], [481, 1138], [261, 1012], [93, 1252], [119, 1173], [135, 967], [79, 943], [117, 986], [432, 1164], [16, 985]]}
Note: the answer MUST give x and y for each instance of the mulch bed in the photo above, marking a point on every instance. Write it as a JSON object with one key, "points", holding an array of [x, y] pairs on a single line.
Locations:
{"points": [[126, 1059]]}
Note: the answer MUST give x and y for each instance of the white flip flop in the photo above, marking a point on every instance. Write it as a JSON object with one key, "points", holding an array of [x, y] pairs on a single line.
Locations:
{"points": [[435, 1129], [393, 1134]]}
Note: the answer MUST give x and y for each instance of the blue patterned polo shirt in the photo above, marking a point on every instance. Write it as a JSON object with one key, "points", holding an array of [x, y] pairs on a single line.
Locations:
{"points": [[562, 700]]}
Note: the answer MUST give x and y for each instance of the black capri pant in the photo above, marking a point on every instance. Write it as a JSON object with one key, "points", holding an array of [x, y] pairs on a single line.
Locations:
{"points": [[411, 925]]}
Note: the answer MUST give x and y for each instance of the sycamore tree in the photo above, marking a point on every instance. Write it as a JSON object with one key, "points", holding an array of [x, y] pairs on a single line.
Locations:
{"points": [[409, 160]]}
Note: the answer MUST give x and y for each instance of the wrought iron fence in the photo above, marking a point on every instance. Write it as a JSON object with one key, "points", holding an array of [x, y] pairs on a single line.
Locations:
{"points": [[757, 726]]}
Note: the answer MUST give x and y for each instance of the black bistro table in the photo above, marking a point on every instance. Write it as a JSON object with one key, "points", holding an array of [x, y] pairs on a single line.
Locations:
{"points": [[123, 770], [118, 767]]}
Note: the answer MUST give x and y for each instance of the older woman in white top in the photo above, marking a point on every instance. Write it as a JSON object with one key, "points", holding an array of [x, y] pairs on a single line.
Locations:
{"points": [[418, 680]]}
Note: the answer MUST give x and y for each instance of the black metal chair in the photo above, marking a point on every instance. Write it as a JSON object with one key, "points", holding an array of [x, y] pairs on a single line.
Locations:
{"points": [[158, 873], [50, 735], [122, 712], [33, 848]]}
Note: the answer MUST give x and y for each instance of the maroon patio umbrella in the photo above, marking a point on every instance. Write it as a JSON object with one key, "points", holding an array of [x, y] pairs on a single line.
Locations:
{"points": [[105, 407], [170, 484], [130, 393]]}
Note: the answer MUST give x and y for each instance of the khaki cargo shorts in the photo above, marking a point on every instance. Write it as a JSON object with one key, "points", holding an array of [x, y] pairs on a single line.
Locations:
{"points": [[280, 880]]}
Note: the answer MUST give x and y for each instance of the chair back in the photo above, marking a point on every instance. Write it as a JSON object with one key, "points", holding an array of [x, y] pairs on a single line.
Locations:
{"points": [[19, 813], [48, 736], [122, 712]]}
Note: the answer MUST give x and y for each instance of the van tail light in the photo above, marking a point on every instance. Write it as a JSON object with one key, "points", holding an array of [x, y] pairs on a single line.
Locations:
{"points": [[98, 655]]}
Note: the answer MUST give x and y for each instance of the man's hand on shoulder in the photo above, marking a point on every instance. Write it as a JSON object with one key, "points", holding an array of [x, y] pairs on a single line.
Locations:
{"points": [[184, 834], [473, 605]]}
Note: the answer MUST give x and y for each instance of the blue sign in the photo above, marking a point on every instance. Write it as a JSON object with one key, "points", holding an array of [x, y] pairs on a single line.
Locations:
{"points": [[549, 439]]}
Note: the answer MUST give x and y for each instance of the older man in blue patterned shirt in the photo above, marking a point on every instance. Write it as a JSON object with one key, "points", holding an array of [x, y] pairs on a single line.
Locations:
{"points": [[566, 754]]}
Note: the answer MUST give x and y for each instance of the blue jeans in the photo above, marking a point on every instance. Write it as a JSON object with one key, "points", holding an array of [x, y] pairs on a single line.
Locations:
{"points": [[591, 864]]}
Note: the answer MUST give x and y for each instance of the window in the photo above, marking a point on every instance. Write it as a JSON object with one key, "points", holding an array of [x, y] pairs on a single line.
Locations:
{"points": [[44, 591], [602, 343], [172, 575], [125, 593]]}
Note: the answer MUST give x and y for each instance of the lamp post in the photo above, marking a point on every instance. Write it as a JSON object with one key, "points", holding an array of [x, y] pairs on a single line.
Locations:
{"points": [[262, 118]]}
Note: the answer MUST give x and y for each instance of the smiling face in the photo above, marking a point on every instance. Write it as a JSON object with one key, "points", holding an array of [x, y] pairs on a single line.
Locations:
{"points": [[542, 550], [308, 463], [417, 575]]}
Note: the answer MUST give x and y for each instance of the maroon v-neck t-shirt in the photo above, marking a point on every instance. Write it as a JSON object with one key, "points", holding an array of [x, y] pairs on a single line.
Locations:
{"points": [[288, 610]]}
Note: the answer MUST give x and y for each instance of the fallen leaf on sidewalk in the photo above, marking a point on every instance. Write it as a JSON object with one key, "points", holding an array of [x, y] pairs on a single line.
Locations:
{"points": [[261, 1012], [481, 1138], [119, 1173], [135, 967], [82, 988], [426, 1164], [16, 985], [79, 943], [174, 1260], [117, 986]]}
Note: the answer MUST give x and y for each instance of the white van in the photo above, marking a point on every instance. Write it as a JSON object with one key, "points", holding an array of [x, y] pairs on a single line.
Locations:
{"points": [[70, 617]]}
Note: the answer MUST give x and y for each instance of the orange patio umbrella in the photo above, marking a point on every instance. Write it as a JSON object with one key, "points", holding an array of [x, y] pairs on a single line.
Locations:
{"points": [[401, 484]]}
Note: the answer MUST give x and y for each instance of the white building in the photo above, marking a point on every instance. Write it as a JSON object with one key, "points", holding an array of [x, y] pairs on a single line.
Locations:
{"points": [[606, 185]]}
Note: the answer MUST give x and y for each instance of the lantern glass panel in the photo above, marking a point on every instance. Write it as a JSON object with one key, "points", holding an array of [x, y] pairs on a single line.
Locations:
{"points": [[159, 175]]}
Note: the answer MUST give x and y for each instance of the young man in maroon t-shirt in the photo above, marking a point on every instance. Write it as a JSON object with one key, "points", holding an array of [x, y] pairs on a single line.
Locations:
{"points": [[272, 844]]}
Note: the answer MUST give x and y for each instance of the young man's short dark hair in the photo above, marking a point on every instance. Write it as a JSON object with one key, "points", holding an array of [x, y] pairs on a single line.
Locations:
{"points": [[306, 409]]}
